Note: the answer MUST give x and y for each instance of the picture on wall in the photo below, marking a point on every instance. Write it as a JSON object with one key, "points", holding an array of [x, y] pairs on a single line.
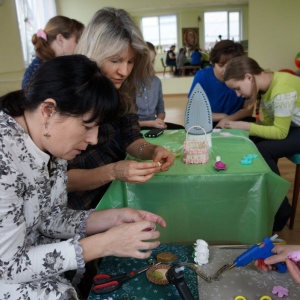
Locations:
{"points": [[190, 37]]}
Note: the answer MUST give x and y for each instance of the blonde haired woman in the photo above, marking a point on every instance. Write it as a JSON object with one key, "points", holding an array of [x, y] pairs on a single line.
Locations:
{"points": [[114, 41]]}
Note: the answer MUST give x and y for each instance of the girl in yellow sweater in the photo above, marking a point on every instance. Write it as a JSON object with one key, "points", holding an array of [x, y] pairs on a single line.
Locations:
{"points": [[278, 133]]}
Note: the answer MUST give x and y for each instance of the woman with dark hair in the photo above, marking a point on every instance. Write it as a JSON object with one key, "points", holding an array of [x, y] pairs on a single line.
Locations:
{"points": [[55, 118], [59, 37], [225, 104], [277, 134]]}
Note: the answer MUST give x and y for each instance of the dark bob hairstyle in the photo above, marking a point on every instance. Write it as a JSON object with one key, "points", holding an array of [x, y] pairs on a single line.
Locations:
{"points": [[75, 83]]}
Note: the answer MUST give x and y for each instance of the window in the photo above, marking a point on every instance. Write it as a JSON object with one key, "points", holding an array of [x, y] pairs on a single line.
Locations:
{"points": [[161, 31], [221, 25], [32, 15]]}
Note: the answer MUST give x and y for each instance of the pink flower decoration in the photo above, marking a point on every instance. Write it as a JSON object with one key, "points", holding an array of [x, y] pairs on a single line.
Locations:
{"points": [[294, 255], [280, 291], [219, 165]]}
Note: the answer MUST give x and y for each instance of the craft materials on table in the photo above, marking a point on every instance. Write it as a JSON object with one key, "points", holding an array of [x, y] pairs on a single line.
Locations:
{"points": [[166, 257], [141, 287], [175, 275], [105, 283], [280, 291], [294, 256], [201, 252], [157, 274], [239, 190], [247, 159], [219, 165], [195, 150], [258, 252], [261, 298], [248, 282]]}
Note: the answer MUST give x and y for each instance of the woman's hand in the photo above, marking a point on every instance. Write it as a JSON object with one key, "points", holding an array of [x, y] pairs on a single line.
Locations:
{"points": [[221, 123], [127, 232], [134, 172], [131, 240], [280, 255], [164, 157], [157, 153], [159, 123], [102, 220], [129, 215], [294, 269]]}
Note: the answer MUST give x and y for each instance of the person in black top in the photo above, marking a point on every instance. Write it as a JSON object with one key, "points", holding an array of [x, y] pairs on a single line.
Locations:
{"points": [[171, 59]]}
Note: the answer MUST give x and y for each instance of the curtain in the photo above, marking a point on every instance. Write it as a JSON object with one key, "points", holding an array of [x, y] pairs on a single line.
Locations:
{"points": [[32, 15]]}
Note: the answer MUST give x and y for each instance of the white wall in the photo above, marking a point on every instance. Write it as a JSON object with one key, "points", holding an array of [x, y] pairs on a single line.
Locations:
{"points": [[274, 38]]}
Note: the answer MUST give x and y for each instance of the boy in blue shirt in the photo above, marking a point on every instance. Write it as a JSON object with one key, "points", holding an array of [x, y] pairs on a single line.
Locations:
{"points": [[224, 102]]}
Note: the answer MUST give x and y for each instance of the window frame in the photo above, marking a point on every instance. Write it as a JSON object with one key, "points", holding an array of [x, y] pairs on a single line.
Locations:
{"points": [[31, 16], [161, 47], [228, 11]]}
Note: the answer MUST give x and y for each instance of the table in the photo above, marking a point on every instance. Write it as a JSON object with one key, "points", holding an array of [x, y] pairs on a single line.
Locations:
{"points": [[247, 281], [140, 287], [236, 205]]}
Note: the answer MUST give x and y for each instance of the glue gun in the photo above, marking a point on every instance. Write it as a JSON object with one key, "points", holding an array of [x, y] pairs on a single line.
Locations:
{"points": [[260, 251]]}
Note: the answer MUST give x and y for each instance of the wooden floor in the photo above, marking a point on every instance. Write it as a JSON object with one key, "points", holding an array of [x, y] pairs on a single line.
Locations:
{"points": [[175, 110]]}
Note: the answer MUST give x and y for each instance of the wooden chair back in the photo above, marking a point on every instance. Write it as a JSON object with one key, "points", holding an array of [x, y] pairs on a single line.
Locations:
{"points": [[163, 64]]}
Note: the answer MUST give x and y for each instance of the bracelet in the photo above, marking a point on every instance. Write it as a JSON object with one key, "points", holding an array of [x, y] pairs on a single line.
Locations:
{"points": [[140, 149]]}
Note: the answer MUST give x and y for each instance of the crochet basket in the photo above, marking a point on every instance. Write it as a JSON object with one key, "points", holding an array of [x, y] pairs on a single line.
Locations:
{"points": [[195, 151]]}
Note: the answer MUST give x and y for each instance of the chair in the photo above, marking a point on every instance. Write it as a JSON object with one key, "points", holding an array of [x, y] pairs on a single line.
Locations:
{"points": [[164, 66], [296, 160]]}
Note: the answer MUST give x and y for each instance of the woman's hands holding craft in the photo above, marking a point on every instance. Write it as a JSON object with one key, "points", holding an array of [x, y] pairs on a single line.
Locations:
{"points": [[136, 232], [140, 172], [281, 252], [125, 232], [128, 239], [135, 172], [164, 157]]}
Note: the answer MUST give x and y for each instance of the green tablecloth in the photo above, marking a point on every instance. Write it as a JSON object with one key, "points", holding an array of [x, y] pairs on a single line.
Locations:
{"points": [[140, 287], [236, 205]]}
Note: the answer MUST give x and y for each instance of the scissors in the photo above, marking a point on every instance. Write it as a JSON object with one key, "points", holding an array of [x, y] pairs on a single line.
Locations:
{"points": [[104, 283], [261, 298]]}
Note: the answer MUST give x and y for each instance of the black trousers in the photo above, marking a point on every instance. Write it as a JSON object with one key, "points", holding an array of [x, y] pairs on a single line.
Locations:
{"points": [[271, 151]]}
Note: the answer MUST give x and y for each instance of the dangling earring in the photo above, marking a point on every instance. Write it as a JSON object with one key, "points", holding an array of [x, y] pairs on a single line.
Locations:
{"points": [[46, 133]]}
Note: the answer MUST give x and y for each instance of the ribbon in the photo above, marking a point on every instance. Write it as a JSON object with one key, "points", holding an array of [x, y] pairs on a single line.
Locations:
{"points": [[42, 34]]}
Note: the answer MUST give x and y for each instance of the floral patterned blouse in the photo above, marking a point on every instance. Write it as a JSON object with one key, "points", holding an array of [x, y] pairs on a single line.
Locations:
{"points": [[38, 233]]}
